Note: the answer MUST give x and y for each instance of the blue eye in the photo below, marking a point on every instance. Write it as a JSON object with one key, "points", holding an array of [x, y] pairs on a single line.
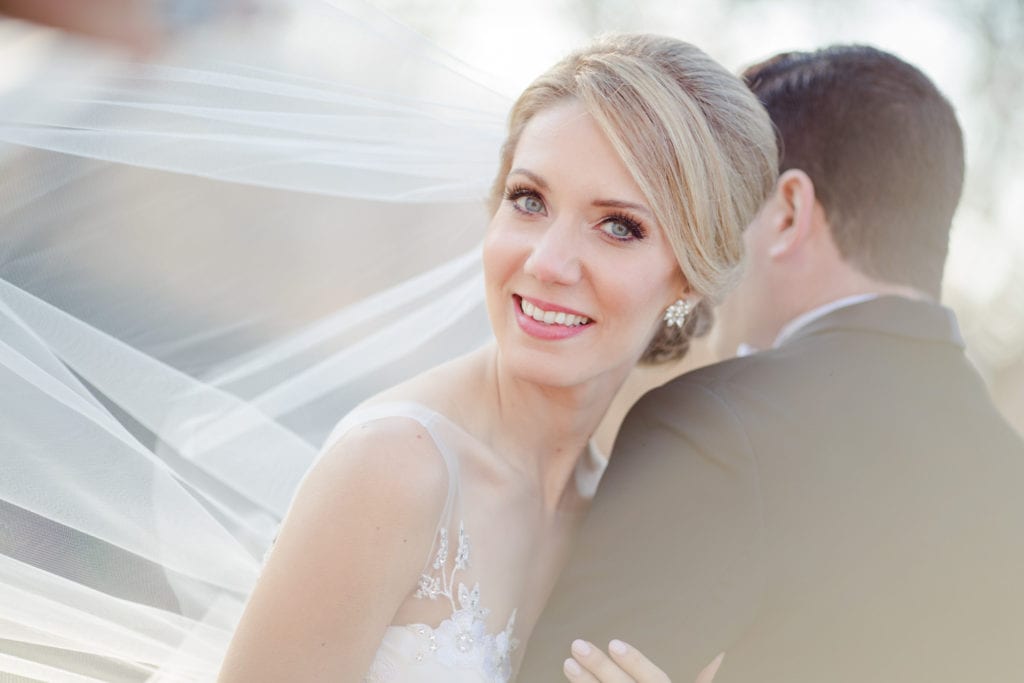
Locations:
{"points": [[525, 200], [623, 228], [529, 204], [617, 230]]}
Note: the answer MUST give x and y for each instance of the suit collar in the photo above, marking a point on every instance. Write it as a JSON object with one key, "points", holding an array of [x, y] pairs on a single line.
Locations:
{"points": [[893, 315]]}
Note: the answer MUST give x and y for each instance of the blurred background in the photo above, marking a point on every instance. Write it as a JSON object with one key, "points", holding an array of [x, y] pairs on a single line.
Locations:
{"points": [[972, 49]]}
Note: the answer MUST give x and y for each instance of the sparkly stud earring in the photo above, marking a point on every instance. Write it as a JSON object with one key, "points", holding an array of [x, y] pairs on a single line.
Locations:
{"points": [[675, 315]]}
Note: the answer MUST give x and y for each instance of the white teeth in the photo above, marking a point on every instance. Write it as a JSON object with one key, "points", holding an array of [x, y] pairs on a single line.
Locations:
{"points": [[552, 317]]}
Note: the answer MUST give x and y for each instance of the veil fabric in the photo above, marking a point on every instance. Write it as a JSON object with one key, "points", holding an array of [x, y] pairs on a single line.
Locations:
{"points": [[206, 259]]}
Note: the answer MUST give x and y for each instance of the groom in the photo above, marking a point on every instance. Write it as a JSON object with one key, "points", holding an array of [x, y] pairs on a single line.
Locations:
{"points": [[845, 505]]}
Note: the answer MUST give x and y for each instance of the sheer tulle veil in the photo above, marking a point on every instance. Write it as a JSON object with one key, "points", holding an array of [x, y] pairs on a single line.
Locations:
{"points": [[206, 259]]}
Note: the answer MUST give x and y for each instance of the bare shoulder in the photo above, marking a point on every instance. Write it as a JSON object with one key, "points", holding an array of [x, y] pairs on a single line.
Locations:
{"points": [[348, 554], [390, 463]]}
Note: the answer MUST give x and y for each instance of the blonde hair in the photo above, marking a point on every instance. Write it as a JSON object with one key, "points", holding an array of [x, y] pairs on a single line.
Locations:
{"points": [[697, 142]]}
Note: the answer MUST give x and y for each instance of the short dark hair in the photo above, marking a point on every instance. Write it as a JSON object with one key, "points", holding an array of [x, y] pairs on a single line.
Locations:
{"points": [[881, 145]]}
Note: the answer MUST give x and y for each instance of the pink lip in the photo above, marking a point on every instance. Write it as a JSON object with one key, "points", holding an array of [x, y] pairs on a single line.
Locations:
{"points": [[543, 331]]}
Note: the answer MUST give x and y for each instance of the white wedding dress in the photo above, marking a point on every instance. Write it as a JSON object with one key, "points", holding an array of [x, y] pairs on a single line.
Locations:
{"points": [[463, 647], [470, 643]]}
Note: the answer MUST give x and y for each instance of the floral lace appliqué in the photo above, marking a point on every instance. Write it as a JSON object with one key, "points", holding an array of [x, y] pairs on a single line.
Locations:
{"points": [[462, 640]]}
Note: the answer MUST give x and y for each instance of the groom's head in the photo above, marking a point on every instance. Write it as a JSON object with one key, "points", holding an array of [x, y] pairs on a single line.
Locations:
{"points": [[871, 169]]}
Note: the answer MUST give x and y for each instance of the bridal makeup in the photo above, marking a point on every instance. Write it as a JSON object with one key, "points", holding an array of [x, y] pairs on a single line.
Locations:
{"points": [[577, 271]]}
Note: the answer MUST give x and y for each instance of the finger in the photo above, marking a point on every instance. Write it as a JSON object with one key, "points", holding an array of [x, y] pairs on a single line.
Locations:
{"points": [[708, 674], [576, 673], [595, 661], [632, 662]]}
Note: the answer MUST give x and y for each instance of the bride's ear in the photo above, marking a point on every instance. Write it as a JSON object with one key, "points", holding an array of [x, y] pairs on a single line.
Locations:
{"points": [[794, 208]]}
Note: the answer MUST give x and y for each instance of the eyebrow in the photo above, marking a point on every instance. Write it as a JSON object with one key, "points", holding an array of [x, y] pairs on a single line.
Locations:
{"points": [[603, 203], [532, 176], [617, 204]]}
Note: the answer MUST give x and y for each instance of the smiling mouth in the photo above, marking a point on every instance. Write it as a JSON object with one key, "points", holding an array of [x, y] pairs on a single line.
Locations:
{"points": [[551, 317]]}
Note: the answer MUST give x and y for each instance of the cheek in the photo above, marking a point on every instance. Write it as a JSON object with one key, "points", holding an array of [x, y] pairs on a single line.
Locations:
{"points": [[494, 249], [643, 292], [502, 256]]}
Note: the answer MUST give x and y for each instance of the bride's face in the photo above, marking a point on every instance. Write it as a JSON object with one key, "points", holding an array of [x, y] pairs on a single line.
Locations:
{"points": [[578, 274]]}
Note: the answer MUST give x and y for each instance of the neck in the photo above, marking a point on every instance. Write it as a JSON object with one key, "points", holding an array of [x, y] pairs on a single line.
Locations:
{"points": [[547, 428]]}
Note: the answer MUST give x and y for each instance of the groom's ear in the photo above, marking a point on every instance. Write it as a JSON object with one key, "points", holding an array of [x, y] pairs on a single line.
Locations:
{"points": [[795, 213]]}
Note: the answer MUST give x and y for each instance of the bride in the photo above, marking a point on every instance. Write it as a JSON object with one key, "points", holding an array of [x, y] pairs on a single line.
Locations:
{"points": [[207, 260], [425, 540]]}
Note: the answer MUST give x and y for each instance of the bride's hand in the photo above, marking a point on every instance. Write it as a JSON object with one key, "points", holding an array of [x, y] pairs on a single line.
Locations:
{"points": [[626, 664]]}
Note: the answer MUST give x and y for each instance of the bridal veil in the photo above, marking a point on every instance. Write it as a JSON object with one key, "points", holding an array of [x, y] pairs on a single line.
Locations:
{"points": [[206, 259]]}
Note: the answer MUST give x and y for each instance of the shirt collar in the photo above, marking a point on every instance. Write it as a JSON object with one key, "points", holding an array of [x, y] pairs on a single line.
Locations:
{"points": [[790, 328]]}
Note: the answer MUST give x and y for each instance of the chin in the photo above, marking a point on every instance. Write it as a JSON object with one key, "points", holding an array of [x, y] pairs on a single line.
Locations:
{"points": [[542, 369], [563, 368]]}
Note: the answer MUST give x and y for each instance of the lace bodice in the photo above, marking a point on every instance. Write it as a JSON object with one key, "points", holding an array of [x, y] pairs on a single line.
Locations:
{"points": [[460, 648], [460, 642]]}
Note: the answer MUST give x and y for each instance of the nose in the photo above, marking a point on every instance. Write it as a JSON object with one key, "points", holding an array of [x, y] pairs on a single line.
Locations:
{"points": [[555, 255]]}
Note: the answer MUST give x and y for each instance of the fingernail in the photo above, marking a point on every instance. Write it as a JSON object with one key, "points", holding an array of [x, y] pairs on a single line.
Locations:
{"points": [[571, 667], [618, 647], [581, 647]]}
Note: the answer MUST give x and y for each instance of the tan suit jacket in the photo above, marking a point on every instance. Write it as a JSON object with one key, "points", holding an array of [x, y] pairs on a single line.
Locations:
{"points": [[848, 507]]}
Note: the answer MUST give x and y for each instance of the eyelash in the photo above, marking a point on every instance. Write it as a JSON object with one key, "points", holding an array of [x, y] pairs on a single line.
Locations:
{"points": [[635, 227], [519, 191]]}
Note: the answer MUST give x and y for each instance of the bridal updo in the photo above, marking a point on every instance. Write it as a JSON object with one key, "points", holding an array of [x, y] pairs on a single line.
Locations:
{"points": [[697, 142]]}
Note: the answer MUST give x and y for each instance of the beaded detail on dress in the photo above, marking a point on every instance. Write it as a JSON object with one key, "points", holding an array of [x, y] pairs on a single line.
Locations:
{"points": [[460, 641]]}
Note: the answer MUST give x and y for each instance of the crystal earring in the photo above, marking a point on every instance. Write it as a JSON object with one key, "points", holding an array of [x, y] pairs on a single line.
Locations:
{"points": [[675, 315]]}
